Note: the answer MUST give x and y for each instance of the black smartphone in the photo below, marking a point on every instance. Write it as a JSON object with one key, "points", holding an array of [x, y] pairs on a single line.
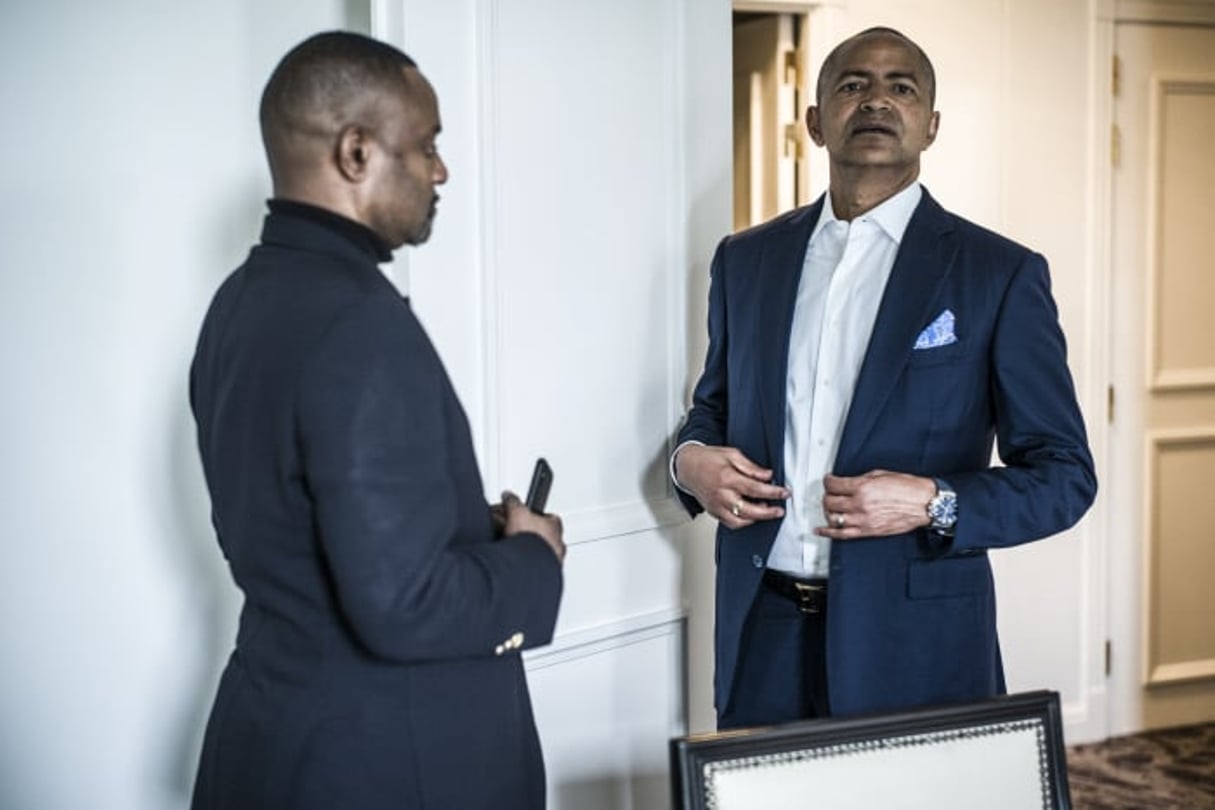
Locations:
{"points": [[542, 482]]}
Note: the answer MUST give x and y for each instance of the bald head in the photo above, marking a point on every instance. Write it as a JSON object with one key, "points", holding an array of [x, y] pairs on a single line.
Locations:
{"points": [[326, 83], [830, 64], [350, 125]]}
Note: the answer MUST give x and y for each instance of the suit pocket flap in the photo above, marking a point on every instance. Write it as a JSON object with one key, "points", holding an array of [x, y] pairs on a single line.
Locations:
{"points": [[948, 576]]}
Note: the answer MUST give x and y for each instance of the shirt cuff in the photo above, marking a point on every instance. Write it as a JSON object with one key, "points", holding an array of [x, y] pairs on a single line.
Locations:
{"points": [[671, 465]]}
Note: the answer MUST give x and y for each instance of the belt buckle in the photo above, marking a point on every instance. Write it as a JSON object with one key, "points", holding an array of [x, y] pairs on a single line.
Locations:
{"points": [[805, 592]]}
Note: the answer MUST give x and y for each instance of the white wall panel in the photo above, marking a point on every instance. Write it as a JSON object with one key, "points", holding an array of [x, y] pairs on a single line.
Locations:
{"points": [[585, 197], [607, 701]]}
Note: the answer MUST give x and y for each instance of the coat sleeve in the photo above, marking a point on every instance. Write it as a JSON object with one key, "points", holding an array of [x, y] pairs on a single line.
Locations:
{"points": [[1047, 481], [375, 421], [707, 418]]}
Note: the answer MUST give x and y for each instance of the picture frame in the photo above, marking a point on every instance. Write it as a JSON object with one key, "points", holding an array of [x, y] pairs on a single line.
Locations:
{"points": [[1006, 753]]}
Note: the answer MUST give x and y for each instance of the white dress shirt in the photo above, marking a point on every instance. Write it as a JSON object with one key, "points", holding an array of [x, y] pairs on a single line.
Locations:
{"points": [[844, 276]]}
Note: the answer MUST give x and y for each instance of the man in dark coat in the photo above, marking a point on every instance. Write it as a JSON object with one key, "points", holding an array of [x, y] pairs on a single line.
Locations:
{"points": [[386, 602]]}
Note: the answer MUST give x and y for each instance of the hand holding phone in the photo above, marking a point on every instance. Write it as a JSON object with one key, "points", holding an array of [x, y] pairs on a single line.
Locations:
{"points": [[537, 491]]}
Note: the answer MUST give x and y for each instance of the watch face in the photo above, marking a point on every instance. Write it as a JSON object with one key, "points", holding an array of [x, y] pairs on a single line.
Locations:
{"points": [[943, 509]]}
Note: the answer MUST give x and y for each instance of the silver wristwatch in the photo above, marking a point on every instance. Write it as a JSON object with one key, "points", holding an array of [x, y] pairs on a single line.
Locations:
{"points": [[943, 509]]}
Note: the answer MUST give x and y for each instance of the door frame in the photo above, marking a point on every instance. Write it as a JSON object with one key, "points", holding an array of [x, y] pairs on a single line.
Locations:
{"points": [[1115, 688]]}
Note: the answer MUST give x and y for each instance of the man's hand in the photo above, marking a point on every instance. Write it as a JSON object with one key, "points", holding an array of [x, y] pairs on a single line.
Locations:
{"points": [[728, 484], [516, 517], [877, 504]]}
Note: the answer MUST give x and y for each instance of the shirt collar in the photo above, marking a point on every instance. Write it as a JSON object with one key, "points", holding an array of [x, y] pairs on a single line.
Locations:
{"points": [[892, 215]]}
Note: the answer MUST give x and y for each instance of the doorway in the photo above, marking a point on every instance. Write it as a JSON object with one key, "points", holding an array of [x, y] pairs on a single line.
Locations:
{"points": [[770, 98]]}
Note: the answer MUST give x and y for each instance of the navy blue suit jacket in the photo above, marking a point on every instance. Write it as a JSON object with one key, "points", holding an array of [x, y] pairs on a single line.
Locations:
{"points": [[911, 619], [368, 670]]}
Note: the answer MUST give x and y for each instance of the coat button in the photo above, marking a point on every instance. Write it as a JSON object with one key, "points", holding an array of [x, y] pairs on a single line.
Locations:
{"points": [[757, 561], [499, 649], [516, 640]]}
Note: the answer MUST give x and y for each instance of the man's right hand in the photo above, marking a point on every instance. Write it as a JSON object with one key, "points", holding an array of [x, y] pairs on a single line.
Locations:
{"points": [[730, 486], [521, 519]]}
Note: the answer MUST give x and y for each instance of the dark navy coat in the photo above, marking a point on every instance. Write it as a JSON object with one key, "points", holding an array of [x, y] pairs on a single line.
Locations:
{"points": [[377, 661]]}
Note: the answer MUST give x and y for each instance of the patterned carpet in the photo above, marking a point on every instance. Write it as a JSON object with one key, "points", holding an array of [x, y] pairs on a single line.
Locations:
{"points": [[1170, 768]]}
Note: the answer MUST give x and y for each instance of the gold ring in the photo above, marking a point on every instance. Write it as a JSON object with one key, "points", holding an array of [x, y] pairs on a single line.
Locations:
{"points": [[736, 509], [838, 520]]}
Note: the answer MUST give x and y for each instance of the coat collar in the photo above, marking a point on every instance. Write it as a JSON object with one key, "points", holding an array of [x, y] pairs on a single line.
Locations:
{"points": [[305, 227]]}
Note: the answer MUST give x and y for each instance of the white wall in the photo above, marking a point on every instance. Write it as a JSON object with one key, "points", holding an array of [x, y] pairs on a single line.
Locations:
{"points": [[133, 181], [132, 178]]}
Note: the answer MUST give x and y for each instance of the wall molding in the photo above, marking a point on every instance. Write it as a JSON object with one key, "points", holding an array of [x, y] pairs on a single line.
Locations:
{"points": [[1183, 672], [1184, 379], [1156, 672], [603, 638], [630, 518], [1159, 377]]}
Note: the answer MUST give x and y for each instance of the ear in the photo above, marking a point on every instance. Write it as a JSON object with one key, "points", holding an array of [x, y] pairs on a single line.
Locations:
{"points": [[933, 124], [814, 125], [352, 153]]}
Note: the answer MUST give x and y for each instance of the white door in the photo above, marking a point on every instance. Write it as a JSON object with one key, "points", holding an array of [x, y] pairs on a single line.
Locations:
{"points": [[589, 151], [1162, 601]]}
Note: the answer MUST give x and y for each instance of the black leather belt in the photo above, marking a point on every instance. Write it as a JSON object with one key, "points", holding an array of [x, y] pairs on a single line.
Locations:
{"points": [[809, 594]]}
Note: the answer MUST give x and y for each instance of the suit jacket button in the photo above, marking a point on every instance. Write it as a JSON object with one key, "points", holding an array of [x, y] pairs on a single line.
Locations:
{"points": [[501, 648], [516, 640], [757, 561]]}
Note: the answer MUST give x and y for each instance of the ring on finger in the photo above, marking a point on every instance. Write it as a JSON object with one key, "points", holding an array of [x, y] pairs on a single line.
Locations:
{"points": [[838, 520], [736, 509]]}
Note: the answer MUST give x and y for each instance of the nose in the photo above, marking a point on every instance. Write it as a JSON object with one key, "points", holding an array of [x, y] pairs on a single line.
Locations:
{"points": [[876, 101], [440, 171]]}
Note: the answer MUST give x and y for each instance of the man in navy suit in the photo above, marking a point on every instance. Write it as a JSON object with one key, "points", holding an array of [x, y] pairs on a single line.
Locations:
{"points": [[386, 603], [864, 353]]}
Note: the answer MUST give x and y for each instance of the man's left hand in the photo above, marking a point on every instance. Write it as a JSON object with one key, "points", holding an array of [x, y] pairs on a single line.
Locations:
{"points": [[879, 503]]}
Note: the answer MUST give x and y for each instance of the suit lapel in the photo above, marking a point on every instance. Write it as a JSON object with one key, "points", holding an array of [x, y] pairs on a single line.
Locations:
{"points": [[781, 265], [923, 260]]}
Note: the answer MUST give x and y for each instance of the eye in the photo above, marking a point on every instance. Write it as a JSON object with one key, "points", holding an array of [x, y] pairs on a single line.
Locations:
{"points": [[850, 87], [904, 89]]}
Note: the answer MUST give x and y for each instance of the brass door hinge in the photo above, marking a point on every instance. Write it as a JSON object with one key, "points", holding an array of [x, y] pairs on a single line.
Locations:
{"points": [[1115, 145], [1109, 410], [1109, 657], [793, 69], [1116, 78], [793, 141]]}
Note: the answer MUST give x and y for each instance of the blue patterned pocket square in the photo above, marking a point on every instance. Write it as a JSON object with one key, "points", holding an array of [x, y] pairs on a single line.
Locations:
{"points": [[938, 333]]}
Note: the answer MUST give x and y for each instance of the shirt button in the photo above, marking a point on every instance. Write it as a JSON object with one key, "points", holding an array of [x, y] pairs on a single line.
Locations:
{"points": [[757, 561]]}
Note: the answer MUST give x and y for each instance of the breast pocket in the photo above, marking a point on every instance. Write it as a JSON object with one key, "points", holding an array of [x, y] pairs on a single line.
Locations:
{"points": [[952, 353]]}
